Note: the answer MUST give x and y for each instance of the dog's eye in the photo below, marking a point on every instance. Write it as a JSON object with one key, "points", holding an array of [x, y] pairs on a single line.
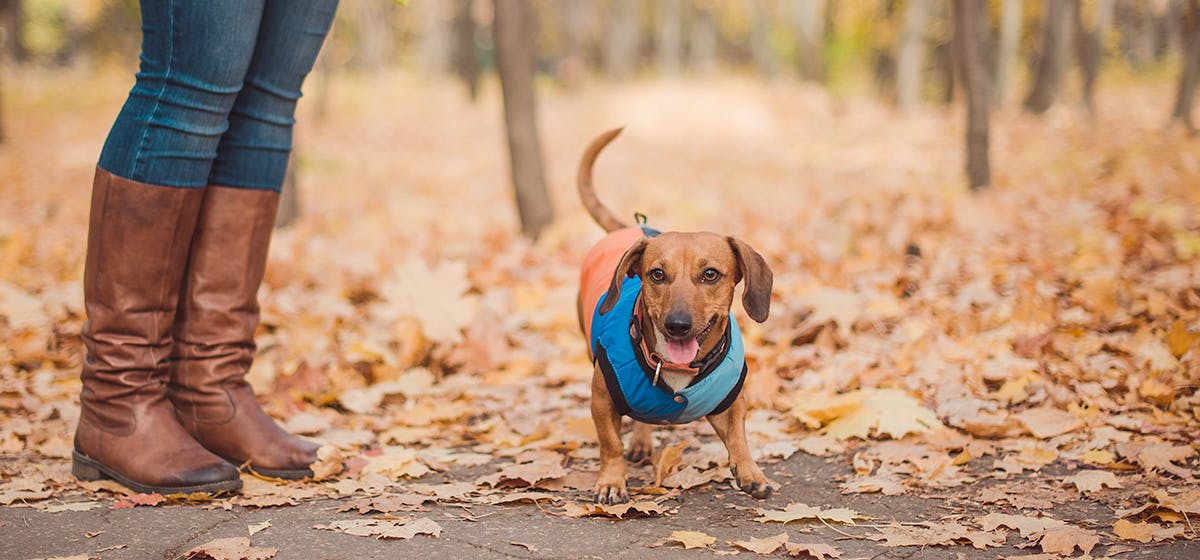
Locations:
{"points": [[657, 275], [710, 275]]}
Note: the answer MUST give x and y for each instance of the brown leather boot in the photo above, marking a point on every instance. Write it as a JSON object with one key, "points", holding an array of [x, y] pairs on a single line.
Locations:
{"points": [[214, 337], [138, 239]]}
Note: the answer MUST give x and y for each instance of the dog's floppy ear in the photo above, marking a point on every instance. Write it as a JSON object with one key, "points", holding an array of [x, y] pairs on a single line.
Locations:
{"points": [[756, 298], [631, 261]]}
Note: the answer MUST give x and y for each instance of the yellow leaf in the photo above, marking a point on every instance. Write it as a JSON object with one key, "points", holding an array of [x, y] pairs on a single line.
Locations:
{"points": [[762, 546], [889, 412], [803, 512], [1179, 340], [1097, 457], [1128, 531], [668, 461], [692, 539]]}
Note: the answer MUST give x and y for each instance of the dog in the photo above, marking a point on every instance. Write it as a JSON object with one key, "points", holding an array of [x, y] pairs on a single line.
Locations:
{"points": [[654, 309]]}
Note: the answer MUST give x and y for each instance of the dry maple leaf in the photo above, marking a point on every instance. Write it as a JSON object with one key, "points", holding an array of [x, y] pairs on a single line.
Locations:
{"points": [[387, 503], [762, 546], [437, 297], [668, 461], [1162, 457], [817, 551], [887, 412], [1064, 540], [329, 463], [1046, 422], [1093, 480], [1146, 532], [691, 539], [802, 512], [385, 528], [232, 548], [936, 534], [1028, 526], [524, 474], [619, 511]]}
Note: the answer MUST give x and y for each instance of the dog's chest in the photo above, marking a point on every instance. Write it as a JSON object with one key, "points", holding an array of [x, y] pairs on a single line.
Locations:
{"points": [[676, 381]]}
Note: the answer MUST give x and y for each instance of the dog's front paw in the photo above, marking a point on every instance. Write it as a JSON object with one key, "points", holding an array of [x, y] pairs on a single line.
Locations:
{"points": [[610, 492], [752, 481]]}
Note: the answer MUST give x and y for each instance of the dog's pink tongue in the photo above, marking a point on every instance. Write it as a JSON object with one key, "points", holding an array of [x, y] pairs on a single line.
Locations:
{"points": [[682, 352]]}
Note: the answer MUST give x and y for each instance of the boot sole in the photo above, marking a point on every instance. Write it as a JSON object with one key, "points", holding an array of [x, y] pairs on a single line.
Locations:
{"points": [[87, 469]]}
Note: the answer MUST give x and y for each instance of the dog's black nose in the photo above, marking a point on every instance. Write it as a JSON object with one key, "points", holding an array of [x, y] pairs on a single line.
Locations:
{"points": [[678, 324]]}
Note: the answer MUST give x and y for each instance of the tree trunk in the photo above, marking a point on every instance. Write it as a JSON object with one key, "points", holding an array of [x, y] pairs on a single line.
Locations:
{"points": [[760, 39], [1189, 73], [376, 35], [808, 28], [1051, 62], [703, 41], [1006, 58], [466, 61], [1091, 47], [12, 30], [970, 33], [514, 59], [669, 35], [910, 54], [621, 39], [435, 39]]}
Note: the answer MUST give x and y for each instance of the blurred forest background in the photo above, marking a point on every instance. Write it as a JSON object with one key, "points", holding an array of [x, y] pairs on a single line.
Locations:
{"points": [[988, 54]]}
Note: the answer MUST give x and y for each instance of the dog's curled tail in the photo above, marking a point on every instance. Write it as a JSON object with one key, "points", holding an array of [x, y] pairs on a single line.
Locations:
{"points": [[587, 194]]}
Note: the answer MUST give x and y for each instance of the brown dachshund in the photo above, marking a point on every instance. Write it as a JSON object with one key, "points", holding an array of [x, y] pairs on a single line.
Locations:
{"points": [[655, 310]]}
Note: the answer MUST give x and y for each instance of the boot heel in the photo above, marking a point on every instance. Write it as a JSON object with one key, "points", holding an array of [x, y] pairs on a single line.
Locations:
{"points": [[85, 472]]}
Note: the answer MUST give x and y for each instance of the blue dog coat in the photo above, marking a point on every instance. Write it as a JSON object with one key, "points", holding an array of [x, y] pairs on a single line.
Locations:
{"points": [[630, 379]]}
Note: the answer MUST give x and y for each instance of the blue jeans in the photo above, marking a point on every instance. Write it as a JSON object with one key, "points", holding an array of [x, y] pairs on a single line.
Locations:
{"points": [[216, 92]]}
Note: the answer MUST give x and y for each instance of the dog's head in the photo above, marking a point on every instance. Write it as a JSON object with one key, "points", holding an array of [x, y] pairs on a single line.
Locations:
{"points": [[688, 283]]}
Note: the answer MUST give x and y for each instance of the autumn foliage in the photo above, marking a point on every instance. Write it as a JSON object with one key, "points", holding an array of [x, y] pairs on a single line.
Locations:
{"points": [[1028, 344]]}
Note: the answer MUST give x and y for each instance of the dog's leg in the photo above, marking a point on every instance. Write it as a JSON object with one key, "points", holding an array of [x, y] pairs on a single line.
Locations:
{"points": [[641, 443], [731, 428], [610, 485]]}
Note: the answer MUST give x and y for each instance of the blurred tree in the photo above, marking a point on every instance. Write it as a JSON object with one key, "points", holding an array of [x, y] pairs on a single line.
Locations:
{"points": [[1006, 55], [910, 54], [808, 19], [668, 35], [1051, 62], [434, 35], [702, 39], [761, 50], [1189, 72], [970, 36], [621, 37], [1091, 32], [466, 60], [12, 34], [514, 59]]}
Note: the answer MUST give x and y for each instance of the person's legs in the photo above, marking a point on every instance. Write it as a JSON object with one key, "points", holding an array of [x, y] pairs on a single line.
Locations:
{"points": [[214, 332], [194, 60], [195, 55], [254, 152]]}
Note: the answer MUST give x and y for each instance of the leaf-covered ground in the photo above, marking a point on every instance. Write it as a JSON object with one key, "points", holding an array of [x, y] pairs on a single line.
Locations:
{"points": [[1030, 345]]}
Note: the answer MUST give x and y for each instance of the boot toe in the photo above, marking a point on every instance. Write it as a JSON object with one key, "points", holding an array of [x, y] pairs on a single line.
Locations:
{"points": [[218, 472]]}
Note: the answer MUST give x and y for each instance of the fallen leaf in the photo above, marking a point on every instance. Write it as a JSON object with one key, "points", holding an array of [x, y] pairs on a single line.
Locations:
{"points": [[619, 511], [77, 506], [258, 527], [802, 512], [936, 534], [668, 461], [692, 539], [232, 548], [1146, 532], [1046, 422], [887, 412], [1064, 540], [1092, 480], [385, 528], [763, 546], [817, 551]]}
